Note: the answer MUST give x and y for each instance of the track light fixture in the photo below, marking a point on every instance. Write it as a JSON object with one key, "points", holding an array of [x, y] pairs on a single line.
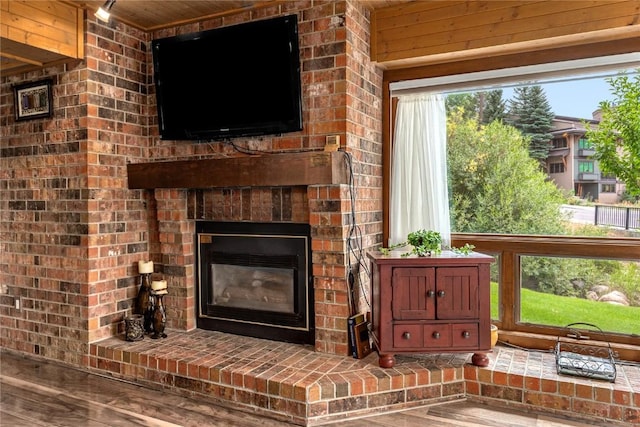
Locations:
{"points": [[103, 13]]}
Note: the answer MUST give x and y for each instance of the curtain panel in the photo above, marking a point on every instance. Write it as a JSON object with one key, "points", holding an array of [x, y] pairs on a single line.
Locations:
{"points": [[419, 191]]}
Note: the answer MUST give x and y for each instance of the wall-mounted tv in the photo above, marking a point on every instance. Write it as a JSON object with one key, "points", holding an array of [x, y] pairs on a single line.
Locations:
{"points": [[241, 80]]}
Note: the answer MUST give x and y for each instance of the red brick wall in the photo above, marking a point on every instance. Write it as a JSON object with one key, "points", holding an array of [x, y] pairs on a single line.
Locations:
{"points": [[341, 96], [73, 232]]}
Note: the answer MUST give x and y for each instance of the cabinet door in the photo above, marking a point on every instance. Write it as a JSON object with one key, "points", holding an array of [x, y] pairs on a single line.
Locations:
{"points": [[413, 293], [457, 293]]}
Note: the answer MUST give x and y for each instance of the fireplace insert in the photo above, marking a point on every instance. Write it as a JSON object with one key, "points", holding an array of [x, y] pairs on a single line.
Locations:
{"points": [[254, 279]]}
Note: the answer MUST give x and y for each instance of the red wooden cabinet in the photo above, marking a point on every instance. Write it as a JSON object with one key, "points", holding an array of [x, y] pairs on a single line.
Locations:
{"points": [[439, 303]]}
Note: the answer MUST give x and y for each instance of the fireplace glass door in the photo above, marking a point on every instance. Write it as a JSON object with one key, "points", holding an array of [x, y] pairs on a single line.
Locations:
{"points": [[261, 288], [254, 279]]}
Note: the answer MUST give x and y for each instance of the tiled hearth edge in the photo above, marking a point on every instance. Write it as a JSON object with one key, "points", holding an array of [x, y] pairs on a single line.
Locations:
{"points": [[295, 383]]}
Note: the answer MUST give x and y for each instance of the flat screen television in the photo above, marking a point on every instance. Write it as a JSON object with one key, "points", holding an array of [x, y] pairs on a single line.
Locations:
{"points": [[241, 80]]}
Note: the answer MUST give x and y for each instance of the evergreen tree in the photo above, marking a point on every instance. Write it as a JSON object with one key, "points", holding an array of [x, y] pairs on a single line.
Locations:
{"points": [[494, 107], [531, 113], [483, 106]]}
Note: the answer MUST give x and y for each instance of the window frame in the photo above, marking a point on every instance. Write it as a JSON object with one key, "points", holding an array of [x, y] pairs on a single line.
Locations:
{"points": [[509, 248], [584, 144], [591, 166], [551, 167]]}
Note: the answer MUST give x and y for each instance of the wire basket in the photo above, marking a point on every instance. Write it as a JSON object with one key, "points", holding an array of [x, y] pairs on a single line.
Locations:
{"points": [[577, 358]]}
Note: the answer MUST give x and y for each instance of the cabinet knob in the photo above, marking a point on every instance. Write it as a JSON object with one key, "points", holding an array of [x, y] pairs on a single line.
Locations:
{"points": [[440, 294], [466, 334], [436, 335], [406, 336], [431, 294]]}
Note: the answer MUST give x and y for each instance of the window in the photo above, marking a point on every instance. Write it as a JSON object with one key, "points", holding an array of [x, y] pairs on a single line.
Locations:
{"points": [[586, 167], [608, 188], [571, 287], [554, 252], [559, 143], [584, 144], [556, 168]]}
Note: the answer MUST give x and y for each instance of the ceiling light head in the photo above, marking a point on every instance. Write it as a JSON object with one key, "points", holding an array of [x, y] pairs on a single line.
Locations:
{"points": [[103, 13]]}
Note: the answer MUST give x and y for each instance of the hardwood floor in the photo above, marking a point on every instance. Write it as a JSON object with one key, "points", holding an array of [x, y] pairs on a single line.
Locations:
{"points": [[34, 392]]}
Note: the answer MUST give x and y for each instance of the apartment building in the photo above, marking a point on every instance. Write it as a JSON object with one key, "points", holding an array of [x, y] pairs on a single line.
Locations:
{"points": [[571, 163]]}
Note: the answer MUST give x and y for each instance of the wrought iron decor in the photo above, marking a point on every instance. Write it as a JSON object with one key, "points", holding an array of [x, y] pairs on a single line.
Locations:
{"points": [[33, 100], [575, 357]]}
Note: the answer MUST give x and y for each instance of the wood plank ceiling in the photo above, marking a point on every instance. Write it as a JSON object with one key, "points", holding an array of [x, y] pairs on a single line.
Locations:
{"points": [[150, 15]]}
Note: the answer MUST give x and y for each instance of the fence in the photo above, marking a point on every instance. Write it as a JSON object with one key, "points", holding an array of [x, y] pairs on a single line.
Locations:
{"points": [[618, 216]]}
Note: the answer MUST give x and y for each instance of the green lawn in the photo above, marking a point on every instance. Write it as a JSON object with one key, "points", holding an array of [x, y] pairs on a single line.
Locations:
{"points": [[547, 309]]}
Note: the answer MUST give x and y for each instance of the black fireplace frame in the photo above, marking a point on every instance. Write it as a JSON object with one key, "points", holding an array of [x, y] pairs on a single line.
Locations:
{"points": [[285, 245]]}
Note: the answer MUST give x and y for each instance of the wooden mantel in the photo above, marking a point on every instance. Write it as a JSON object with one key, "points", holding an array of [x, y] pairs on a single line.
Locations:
{"points": [[268, 170]]}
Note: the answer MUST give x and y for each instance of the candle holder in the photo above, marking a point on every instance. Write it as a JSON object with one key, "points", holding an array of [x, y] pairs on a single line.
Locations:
{"points": [[159, 317], [145, 301], [134, 327]]}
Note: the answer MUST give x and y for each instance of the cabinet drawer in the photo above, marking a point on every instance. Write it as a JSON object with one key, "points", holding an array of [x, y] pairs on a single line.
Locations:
{"points": [[407, 336], [437, 336], [440, 336], [465, 335]]}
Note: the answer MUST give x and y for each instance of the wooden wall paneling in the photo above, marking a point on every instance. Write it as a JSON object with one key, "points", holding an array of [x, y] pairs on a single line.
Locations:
{"points": [[37, 33], [46, 25], [422, 29], [478, 27]]}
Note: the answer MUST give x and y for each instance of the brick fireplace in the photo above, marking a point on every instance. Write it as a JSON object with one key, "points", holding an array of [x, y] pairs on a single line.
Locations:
{"points": [[76, 227], [313, 194]]}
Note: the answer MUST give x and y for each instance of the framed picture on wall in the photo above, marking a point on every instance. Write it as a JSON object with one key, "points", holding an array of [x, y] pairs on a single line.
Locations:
{"points": [[33, 100]]}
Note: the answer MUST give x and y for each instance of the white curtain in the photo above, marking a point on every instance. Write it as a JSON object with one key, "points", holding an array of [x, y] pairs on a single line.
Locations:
{"points": [[419, 194]]}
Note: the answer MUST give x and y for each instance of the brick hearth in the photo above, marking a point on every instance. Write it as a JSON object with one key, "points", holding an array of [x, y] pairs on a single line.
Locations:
{"points": [[298, 384]]}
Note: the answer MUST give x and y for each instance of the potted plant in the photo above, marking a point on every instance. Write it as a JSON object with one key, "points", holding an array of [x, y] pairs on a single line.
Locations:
{"points": [[424, 242]]}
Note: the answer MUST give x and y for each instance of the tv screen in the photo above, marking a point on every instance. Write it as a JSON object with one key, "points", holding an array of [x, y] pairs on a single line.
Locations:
{"points": [[241, 80]]}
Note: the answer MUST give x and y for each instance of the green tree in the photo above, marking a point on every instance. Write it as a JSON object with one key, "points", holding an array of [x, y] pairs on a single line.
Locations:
{"points": [[494, 107], [530, 112], [495, 185], [465, 102], [482, 106], [617, 138]]}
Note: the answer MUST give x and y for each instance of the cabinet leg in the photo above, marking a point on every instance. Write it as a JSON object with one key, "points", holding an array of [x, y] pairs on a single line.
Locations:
{"points": [[386, 361], [480, 359]]}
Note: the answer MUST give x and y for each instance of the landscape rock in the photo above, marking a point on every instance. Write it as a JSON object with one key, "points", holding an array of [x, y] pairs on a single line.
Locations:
{"points": [[600, 289], [615, 297], [592, 296]]}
